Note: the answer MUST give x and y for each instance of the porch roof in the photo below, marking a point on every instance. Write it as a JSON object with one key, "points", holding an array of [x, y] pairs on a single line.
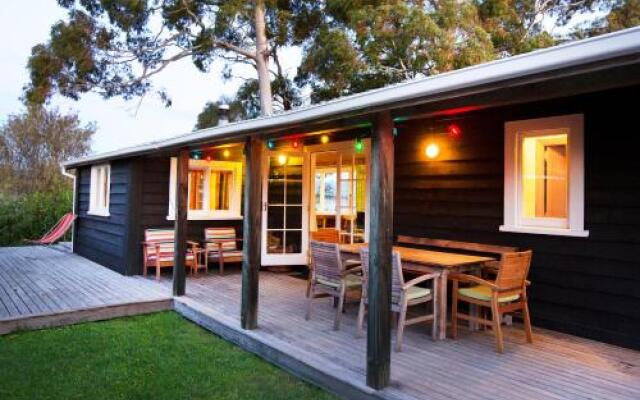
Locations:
{"points": [[606, 51]]}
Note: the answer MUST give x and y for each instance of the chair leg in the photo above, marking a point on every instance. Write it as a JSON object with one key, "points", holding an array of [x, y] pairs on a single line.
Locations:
{"points": [[434, 323], [360, 331], [144, 270], [454, 310], [309, 299], [221, 263], [402, 318], [157, 271], [336, 322], [497, 327], [527, 321]]}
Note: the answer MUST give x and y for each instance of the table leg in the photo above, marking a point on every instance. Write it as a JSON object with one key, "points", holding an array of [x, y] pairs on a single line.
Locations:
{"points": [[442, 305]]}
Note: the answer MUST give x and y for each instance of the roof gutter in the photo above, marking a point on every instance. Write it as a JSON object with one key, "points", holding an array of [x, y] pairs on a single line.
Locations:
{"points": [[606, 47]]}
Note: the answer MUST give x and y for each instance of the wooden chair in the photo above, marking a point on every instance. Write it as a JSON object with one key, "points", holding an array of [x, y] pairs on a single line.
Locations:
{"points": [[330, 276], [329, 235], [507, 293], [403, 295], [221, 245], [158, 250]]}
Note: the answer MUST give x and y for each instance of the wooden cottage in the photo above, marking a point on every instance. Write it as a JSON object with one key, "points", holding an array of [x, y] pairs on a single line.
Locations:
{"points": [[531, 152]]}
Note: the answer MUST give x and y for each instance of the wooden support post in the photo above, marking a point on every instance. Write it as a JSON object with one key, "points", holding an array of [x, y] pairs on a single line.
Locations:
{"points": [[251, 251], [182, 193], [380, 251]]}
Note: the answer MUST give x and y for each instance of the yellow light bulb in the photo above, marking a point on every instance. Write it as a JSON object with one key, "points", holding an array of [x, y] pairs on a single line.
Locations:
{"points": [[432, 150], [282, 159], [324, 139], [226, 153]]}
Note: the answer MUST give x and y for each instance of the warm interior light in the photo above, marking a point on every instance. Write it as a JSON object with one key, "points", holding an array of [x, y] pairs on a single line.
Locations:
{"points": [[226, 153], [324, 139], [432, 150], [282, 159]]}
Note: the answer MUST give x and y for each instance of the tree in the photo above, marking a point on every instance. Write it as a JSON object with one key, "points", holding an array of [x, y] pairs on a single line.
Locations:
{"points": [[114, 47], [34, 143]]}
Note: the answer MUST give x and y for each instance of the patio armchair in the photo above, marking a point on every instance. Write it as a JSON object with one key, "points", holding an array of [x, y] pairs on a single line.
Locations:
{"points": [[158, 250], [403, 295], [221, 245], [329, 235], [330, 276], [507, 293]]}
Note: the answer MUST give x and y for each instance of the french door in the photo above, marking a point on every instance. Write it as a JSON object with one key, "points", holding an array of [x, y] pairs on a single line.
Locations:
{"points": [[284, 208]]}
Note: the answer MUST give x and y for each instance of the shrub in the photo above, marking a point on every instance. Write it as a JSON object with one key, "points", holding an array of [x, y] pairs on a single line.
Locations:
{"points": [[30, 216]]}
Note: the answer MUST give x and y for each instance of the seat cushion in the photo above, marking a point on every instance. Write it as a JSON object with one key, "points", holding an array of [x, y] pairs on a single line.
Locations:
{"points": [[168, 257], [231, 253], [483, 293], [350, 280], [415, 292]]}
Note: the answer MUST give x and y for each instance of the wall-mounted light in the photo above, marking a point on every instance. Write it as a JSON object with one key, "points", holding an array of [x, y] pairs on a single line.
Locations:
{"points": [[432, 151], [226, 153], [324, 139], [282, 159]]}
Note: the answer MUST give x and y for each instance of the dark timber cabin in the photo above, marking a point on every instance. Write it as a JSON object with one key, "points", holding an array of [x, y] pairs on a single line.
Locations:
{"points": [[455, 156]]}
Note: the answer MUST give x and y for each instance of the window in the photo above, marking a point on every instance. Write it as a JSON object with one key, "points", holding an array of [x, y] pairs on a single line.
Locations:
{"points": [[99, 190], [215, 189], [544, 176], [326, 190]]}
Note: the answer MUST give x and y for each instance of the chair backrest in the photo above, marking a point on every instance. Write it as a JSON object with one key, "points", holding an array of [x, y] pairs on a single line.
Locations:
{"points": [[328, 235], [58, 230], [227, 236], [513, 270], [326, 262], [165, 237], [397, 279]]}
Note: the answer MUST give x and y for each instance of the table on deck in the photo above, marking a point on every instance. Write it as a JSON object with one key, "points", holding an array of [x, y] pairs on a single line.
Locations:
{"points": [[422, 261]]}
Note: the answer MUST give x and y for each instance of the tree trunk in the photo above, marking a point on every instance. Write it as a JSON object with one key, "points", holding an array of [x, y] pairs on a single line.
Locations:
{"points": [[262, 60]]}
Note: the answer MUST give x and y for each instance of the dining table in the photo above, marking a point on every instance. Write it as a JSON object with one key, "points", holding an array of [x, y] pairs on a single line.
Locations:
{"points": [[423, 261]]}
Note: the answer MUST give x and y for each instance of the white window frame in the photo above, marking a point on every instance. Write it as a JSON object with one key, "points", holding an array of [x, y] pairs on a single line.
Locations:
{"points": [[98, 174], [235, 167], [515, 132]]}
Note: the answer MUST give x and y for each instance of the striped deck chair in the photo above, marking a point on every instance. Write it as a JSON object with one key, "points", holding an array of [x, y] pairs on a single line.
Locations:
{"points": [[221, 245], [403, 295], [57, 232], [158, 251], [330, 276]]}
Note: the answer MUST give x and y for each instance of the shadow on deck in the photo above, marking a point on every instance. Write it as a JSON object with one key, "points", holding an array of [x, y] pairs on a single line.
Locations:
{"points": [[556, 366]]}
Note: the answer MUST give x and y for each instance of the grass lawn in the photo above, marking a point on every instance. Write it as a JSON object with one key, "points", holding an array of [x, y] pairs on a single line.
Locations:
{"points": [[158, 356]]}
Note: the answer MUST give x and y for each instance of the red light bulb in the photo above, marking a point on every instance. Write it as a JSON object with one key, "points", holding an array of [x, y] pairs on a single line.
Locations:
{"points": [[454, 131], [295, 144]]}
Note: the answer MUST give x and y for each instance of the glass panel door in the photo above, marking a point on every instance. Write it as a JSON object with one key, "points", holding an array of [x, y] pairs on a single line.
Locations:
{"points": [[284, 209]]}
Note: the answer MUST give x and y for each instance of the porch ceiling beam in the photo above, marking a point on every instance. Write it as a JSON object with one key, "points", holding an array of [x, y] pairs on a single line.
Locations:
{"points": [[380, 250], [180, 225], [251, 259]]}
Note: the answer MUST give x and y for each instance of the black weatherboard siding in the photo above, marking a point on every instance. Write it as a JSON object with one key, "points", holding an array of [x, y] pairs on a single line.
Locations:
{"points": [[585, 286], [104, 239]]}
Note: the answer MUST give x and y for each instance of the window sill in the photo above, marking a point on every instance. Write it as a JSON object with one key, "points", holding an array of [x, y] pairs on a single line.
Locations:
{"points": [[208, 217], [99, 213], [544, 231]]}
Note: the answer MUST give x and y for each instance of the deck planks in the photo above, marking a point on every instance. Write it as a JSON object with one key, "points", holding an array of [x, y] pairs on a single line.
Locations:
{"points": [[556, 366], [49, 286]]}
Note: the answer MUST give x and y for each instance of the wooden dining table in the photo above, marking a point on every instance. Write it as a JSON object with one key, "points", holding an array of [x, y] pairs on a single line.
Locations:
{"points": [[422, 261]]}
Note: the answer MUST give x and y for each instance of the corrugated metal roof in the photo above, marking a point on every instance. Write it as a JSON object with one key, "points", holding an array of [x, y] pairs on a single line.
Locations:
{"points": [[601, 48]]}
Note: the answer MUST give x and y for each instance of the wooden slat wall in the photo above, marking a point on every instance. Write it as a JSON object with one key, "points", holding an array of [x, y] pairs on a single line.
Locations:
{"points": [[587, 287], [103, 239]]}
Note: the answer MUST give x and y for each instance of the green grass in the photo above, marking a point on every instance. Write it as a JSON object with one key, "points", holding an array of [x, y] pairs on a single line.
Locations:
{"points": [[158, 356]]}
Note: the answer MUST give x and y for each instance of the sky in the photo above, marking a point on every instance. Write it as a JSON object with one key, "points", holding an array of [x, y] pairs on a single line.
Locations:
{"points": [[120, 123]]}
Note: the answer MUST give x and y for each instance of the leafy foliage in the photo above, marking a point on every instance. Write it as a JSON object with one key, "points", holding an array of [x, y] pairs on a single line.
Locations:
{"points": [[32, 146], [31, 215]]}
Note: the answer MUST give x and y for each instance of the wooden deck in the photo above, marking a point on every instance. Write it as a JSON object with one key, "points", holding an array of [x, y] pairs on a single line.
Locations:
{"points": [[556, 366], [49, 286]]}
